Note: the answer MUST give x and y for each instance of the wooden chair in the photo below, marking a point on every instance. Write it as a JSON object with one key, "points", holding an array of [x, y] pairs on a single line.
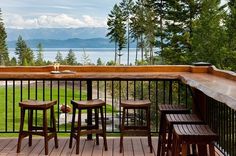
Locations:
{"points": [[135, 130], [33, 105], [90, 129], [199, 135], [172, 119], [167, 109]]}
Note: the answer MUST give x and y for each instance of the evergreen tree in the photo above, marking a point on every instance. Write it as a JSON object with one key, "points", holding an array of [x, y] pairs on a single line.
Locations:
{"points": [[177, 30], [144, 28], [208, 35], [230, 40], [71, 58], [4, 56], [99, 62], [25, 54], [127, 8], [85, 59], [39, 59], [13, 61], [151, 28], [59, 58], [116, 28], [138, 28]]}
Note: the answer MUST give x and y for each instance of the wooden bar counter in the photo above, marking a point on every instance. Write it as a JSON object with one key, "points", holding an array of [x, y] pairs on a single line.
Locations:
{"points": [[217, 84]]}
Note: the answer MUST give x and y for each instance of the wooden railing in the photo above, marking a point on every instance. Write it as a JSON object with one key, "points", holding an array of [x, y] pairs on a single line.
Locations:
{"points": [[211, 93]]}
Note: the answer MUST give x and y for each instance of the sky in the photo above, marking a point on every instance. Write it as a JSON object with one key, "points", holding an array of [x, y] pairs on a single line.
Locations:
{"points": [[23, 14]]}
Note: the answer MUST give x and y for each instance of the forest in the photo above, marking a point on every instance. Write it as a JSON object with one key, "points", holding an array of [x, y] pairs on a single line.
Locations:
{"points": [[164, 31]]}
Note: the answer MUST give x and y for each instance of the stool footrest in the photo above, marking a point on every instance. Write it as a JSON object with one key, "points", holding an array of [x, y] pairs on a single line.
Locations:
{"points": [[136, 132], [41, 128], [136, 127]]}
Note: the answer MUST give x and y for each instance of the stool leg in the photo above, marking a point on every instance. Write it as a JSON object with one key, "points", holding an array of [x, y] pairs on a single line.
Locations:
{"points": [[45, 131], [54, 126], [21, 129], [177, 147], [72, 127], [78, 132], [30, 123], [103, 129], [97, 125], [212, 149], [170, 136], [160, 134], [174, 146], [184, 149], [202, 150], [149, 128], [121, 130]]}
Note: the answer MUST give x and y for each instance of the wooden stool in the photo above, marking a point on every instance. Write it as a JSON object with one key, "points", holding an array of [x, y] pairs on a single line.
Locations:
{"points": [[90, 129], [32, 105], [167, 109], [199, 135], [172, 119], [135, 130]]}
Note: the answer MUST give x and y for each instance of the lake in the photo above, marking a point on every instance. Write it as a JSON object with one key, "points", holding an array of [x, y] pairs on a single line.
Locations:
{"points": [[106, 54]]}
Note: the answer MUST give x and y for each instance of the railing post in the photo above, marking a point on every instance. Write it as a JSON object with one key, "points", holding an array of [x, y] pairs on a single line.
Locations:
{"points": [[89, 111]]}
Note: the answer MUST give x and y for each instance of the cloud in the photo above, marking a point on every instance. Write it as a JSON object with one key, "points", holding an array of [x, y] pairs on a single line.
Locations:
{"points": [[53, 21]]}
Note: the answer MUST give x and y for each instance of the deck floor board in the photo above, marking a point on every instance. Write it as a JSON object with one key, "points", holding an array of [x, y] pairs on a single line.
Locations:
{"points": [[135, 146]]}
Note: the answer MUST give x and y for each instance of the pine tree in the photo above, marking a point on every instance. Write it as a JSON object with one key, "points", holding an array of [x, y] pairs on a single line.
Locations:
{"points": [[59, 58], [151, 28], [4, 56], [208, 35], [13, 61], [177, 30], [116, 28], [25, 54], [99, 62], [85, 59], [230, 40], [138, 27], [71, 58], [39, 59], [127, 8]]}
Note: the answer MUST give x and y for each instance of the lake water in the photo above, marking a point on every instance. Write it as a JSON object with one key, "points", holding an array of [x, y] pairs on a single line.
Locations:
{"points": [[106, 54]]}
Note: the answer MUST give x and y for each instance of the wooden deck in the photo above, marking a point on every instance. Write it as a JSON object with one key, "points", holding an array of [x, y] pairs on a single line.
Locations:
{"points": [[133, 146]]}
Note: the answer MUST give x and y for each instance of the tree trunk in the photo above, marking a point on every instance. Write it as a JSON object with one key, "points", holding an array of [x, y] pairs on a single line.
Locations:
{"points": [[115, 52], [136, 55], [142, 48], [128, 43]]}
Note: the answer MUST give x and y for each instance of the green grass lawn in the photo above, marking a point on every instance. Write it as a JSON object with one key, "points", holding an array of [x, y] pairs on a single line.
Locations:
{"points": [[13, 119]]}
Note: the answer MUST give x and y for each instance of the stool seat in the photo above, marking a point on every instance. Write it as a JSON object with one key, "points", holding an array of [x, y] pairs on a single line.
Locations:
{"points": [[182, 119], [195, 133], [88, 103], [135, 103], [172, 119], [200, 135], [172, 109], [34, 104]]}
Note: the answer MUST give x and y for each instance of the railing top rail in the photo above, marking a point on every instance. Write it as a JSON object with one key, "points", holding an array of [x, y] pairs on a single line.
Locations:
{"points": [[215, 83]]}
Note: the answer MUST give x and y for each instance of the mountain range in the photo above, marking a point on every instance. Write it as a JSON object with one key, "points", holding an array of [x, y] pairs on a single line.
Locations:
{"points": [[62, 37], [68, 43], [57, 33]]}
